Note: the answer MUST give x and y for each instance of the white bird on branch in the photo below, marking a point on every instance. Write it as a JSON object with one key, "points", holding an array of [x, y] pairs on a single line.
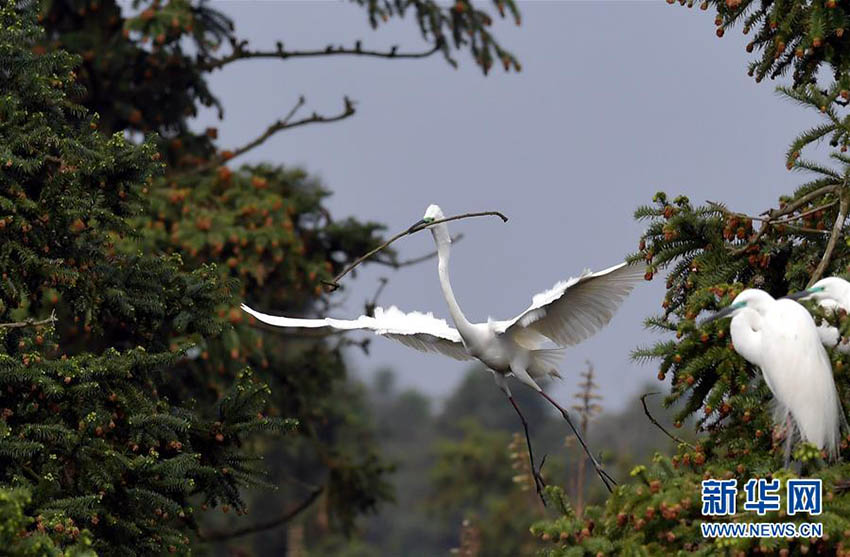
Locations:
{"points": [[565, 315], [832, 294], [780, 337]]}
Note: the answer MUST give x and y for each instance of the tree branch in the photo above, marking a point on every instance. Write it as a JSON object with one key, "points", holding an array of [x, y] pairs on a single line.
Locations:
{"points": [[772, 216], [415, 260], [837, 226], [285, 123], [658, 425], [30, 322], [330, 286], [267, 525], [242, 52]]}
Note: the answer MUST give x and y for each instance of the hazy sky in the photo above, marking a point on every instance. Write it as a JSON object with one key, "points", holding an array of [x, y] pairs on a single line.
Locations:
{"points": [[616, 100]]}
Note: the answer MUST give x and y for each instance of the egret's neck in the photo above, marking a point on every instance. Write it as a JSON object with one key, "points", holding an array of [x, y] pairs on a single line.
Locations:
{"points": [[443, 250], [746, 330]]}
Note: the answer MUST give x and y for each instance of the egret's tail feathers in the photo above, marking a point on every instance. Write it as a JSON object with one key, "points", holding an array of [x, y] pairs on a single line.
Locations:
{"points": [[544, 362]]}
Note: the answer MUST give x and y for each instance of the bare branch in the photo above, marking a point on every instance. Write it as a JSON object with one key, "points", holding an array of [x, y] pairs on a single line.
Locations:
{"points": [[242, 52], [373, 303], [658, 425], [330, 286], [837, 226], [267, 525], [415, 260], [285, 123], [30, 322]]}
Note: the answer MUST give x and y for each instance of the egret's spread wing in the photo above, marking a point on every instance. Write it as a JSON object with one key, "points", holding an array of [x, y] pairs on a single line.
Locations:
{"points": [[574, 309], [421, 331]]}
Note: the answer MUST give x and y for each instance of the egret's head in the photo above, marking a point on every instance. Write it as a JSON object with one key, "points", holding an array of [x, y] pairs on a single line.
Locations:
{"points": [[751, 298], [432, 213], [440, 231], [830, 290]]}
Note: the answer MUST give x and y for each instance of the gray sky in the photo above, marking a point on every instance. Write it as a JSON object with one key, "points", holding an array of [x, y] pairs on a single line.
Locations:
{"points": [[616, 101]]}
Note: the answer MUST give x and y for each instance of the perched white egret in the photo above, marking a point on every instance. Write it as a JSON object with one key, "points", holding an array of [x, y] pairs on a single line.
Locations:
{"points": [[780, 337], [565, 315], [832, 294]]}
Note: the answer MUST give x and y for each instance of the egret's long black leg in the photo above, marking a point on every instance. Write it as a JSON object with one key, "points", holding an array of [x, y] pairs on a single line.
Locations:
{"points": [[539, 484], [603, 475], [788, 442]]}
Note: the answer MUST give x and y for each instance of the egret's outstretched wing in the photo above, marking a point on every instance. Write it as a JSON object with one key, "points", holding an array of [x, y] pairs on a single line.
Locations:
{"points": [[421, 331], [574, 309]]}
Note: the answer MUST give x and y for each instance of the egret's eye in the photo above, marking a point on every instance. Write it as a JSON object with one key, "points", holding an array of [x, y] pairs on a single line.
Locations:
{"points": [[428, 220], [739, 305], [816, 289]]}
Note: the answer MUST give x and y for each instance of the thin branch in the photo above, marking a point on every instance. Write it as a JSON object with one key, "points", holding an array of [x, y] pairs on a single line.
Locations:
{"points": [[373, 303], [837, 226], [241, 52], [772, 217], [415, 260], [809, 212], [30, 322], [267, 525], [330, 286], [285, 123], [654, 421]]}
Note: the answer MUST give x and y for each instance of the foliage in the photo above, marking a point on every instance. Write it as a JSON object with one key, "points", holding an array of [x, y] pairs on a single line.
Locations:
{"points": [[800, 36], [466, 25], [711, 253], [223, 235], [87, 428], [16, 539]]}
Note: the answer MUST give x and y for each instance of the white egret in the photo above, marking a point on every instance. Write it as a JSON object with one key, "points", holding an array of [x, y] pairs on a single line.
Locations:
{"points": [[832, 294], [565, 315], [780, 337]]}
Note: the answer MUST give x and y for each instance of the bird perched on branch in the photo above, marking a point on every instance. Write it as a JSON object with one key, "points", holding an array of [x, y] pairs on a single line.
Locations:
{"points": [[564, 315], [780, 337], [832, 294]]}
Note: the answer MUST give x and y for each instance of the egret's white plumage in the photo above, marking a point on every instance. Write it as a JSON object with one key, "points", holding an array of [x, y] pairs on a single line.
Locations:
{"points": [[421, 331], [564, 315], [832, 294], [780, 337]]}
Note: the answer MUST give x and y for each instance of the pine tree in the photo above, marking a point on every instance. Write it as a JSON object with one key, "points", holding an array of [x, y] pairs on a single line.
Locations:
{"points": [[710, 253], [89, 439], [264, 226]]}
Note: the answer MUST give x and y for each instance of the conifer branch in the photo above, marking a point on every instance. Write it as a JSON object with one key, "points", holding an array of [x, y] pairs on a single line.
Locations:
{"points": [[773, 217], [330, 286], [242, 52], [837, 226], [658, 425], [30, 322], [267, 525]]}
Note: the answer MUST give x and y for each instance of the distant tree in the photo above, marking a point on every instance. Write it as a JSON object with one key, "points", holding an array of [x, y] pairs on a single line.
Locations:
{"points": [[587, 408], [484, 478]]}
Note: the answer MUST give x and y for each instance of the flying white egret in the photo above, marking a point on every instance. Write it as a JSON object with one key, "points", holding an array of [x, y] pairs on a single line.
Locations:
{"points": [[780, 337], [832, 294], [565, 315]]}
